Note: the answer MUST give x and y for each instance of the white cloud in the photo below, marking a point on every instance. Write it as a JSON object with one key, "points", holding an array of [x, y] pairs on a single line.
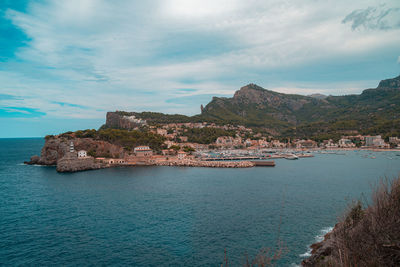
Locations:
{"points": [[106, 56]]}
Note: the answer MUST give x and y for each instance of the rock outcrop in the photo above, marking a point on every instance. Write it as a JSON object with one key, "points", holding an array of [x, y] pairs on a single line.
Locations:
{"points": [[321, 252], [56, 148], [122, 120], [390, 83], [56, 152]]}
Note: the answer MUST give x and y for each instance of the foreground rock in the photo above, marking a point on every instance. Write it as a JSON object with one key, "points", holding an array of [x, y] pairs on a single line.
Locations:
{"points": [[321, 252], [34, 160]]}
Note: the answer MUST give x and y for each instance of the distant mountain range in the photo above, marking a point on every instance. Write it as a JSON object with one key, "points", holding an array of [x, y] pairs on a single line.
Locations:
{"points": [[373, 111]]}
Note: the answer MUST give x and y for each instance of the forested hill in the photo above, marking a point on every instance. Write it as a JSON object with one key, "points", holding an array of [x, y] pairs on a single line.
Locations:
{"points": [[374, 110]]}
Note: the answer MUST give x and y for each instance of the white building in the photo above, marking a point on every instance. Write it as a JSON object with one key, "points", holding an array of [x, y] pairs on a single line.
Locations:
{"points": [[346, 143], [374, 141], [181, 155], [82, 154]]}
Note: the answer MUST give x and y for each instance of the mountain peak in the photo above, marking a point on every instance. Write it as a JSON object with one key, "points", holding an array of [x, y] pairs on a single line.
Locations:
{"points": [[252, 86], [393, 83]]}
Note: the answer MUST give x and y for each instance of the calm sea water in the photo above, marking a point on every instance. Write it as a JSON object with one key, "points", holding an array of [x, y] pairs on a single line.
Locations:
{"points": [[172, 216]]}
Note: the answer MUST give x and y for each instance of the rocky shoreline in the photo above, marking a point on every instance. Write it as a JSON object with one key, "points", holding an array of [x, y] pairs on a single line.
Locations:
{"points": [[321, 251]]}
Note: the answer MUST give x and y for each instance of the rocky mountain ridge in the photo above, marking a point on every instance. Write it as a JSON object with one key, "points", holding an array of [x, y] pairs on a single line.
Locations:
{"points": [[253, 105]]}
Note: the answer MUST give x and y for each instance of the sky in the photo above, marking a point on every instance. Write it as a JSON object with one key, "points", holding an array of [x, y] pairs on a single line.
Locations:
{"points": [[64, 64]]}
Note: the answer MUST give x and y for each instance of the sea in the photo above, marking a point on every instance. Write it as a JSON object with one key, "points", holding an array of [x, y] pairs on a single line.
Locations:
{"points": [[176, 216]]}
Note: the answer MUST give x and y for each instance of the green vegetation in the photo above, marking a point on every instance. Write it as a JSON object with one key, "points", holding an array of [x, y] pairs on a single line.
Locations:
{"points": [[47, 137], [175, 147], [86, 133], [92, 153], [188, 149], [130, 139], [127, 139], [206, 135]]}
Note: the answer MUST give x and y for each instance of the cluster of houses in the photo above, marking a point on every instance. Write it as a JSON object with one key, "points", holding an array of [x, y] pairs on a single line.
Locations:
{"points": [[237, 142], [175, 131], [175, 135], [142, 155]]}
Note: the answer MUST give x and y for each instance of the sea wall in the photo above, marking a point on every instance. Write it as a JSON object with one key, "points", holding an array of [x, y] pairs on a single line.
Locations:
{"points": [[73, 164]]}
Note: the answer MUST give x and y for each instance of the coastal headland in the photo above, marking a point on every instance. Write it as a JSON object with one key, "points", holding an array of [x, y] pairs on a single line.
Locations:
{"points": [[70, 155]]}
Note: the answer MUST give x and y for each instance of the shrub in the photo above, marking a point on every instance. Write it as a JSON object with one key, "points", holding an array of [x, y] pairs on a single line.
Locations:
{"points": [[371, 236]]}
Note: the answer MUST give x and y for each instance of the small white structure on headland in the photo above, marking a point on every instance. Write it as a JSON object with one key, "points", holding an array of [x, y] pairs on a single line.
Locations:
{"points": [[82, 154]]}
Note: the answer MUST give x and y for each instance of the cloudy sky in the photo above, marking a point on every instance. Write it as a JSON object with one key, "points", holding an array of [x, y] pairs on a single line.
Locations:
{"points": [[64, 64]]}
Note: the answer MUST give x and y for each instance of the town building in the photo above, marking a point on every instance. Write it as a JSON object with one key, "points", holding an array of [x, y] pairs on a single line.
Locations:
{"points": [[183, 138], [375, 141], [114, 161], [329, 144], [346, 143], [277, 144], [143, 151], [394, 140], [181, 155], [162, 132], [306, 144], [82, 154]]}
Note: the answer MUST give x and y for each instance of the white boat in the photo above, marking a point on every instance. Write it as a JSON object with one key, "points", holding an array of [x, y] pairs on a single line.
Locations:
{"points": [[291, 157]]}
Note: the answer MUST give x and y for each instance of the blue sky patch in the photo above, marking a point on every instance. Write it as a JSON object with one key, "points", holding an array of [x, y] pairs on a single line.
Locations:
{"points": [[64, 104], [19, 112]]}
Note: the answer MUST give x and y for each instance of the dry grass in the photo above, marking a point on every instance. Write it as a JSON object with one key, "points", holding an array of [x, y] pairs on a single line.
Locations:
{"points": [[370, 236]]}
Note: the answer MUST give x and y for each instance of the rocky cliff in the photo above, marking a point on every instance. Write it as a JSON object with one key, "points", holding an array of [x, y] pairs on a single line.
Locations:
{"points": [[390, 83], [56, 148], [119, 120]]}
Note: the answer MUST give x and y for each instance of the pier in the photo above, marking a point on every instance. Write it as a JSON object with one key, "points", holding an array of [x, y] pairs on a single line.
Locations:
{"points": [[263, 163], [234, 158]]}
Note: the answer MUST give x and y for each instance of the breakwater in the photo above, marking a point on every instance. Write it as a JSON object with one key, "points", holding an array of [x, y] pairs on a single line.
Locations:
{"points": [[211, 164]]}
